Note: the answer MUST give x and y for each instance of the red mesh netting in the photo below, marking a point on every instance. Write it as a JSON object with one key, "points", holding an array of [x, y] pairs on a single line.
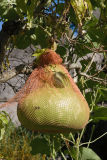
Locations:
{"points": [[50, 57], [40, 76]]}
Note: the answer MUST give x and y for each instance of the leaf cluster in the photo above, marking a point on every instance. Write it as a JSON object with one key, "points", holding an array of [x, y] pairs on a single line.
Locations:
{"points": [[74, 29]]}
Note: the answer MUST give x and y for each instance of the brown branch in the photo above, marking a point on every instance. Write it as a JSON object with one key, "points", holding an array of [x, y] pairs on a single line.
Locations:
{"points": [[9, 28], [64, 13], [21, 69], [3, 41], [75, 41], [90, 63], [100, 70], [5, 76], [100, 80]]}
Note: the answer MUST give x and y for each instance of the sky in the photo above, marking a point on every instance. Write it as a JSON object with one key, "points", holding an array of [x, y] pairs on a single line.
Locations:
{"points": [[1, 25], [71, 26]]}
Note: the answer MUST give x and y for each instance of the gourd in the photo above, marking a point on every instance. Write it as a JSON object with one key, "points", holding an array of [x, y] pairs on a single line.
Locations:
{"points": [[50, 100]]}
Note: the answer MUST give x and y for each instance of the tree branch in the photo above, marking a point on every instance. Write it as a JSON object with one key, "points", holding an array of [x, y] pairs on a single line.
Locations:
{"points": [[21, 69], [100, 80], [3, 41], [9, 28]]}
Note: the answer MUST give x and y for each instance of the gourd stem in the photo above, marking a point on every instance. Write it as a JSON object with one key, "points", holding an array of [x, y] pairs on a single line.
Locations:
{"points": [[77, 149], [63, 156]]}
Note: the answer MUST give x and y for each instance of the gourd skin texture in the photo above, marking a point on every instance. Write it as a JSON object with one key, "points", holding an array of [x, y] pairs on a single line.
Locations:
{"points": [[55, 109]]}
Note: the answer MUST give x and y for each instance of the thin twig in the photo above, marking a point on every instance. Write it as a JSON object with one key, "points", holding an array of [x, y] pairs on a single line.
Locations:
{"points": [[90, 63], [91, 136], [66, 139], [99, 71], [100, 80], [72, 137], [45, 30], [5, 76], [64, 13], [93, 140], [54, 3], [73, 41], [63, 155], [82, 132]]}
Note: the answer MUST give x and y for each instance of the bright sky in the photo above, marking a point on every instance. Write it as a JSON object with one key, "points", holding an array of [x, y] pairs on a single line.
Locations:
{"points": [[71, 26], [75, 34], [1, 25], [61, 1]]}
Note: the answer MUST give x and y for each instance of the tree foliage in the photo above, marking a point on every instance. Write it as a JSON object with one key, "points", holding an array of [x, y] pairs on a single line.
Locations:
{"points": [[76, 29]]}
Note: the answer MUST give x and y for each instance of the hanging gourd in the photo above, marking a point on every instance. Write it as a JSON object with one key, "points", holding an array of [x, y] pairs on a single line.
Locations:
{"points": [[50, 101]]}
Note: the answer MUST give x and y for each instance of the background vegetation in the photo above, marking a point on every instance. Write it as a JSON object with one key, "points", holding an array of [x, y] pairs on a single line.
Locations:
{"points": [[77, 30]]}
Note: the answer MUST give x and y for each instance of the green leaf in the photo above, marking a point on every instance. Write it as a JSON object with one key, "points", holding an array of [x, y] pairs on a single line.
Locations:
{"points": [[22, 6], [100, 113], [88, 97], [96, 3], [61, 50], [38, 53], [24, 39], [55, 142], [82, 48], [3, 123], [88, 154], [8, 10], [2, 132], [4, 118], [41, 37], [60, 8], [35, 36], [40, 145], [80, 8], [73, 151], [96, 31]]}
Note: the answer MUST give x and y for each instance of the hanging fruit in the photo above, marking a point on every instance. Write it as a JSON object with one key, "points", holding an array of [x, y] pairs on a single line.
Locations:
{"points": [[50, 101]]}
